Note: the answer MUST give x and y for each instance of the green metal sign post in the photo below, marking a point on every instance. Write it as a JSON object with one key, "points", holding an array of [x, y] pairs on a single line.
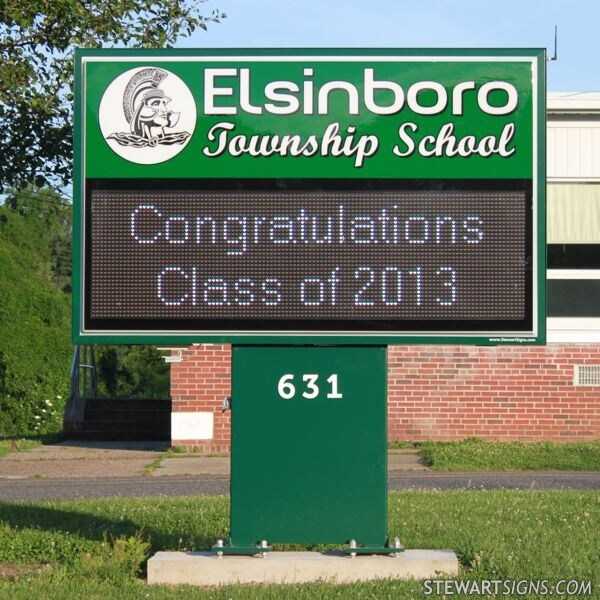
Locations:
{"points": [[309, 207], [309, 451]]}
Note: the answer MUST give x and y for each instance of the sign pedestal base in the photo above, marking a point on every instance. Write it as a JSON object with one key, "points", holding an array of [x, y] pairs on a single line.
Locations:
{"points": [[205, 568]]}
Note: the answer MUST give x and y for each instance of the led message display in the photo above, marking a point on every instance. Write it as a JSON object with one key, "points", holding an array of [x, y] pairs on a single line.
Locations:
{"points": [[380, 259]]}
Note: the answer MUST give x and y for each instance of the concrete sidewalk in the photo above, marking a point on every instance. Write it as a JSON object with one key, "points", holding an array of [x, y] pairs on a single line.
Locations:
{"points": [[74, 459], [81, 459], [398, 460]]}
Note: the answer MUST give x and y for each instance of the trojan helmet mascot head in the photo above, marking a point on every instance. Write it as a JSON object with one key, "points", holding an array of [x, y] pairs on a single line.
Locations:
{"points": [[146, 105]]}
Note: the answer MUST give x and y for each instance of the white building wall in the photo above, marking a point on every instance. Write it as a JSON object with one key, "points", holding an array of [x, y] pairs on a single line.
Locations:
{"points": [[573, 150], [573, 155]]}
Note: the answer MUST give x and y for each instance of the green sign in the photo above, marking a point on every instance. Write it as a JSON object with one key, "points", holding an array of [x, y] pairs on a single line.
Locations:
{"points": [[310, 196]]}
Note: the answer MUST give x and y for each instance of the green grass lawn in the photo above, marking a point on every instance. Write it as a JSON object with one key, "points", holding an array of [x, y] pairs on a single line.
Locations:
{"points": [[98, 548], [476, 454]]}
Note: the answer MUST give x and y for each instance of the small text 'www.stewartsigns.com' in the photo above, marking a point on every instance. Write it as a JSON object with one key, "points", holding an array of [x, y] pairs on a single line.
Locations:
{"points": [[507, 587]]}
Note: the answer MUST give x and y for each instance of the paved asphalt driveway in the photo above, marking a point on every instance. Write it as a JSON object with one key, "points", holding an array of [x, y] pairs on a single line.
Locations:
{"points": [[216, 485]]}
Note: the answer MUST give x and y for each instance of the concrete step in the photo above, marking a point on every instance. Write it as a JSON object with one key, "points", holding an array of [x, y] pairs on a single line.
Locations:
{"points": [[127, 414], [126, 425], [118, 436], [129, 403]]}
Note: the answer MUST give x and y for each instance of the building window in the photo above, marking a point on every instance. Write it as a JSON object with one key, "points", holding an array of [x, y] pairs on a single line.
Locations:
{"points": [[573, 249]]}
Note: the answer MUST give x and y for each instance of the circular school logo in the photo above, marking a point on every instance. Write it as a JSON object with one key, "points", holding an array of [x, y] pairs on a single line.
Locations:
{"points": [[147, 115]]}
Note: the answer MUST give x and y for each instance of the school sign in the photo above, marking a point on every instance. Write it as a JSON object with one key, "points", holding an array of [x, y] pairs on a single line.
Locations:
{"points": [[310, 196]]}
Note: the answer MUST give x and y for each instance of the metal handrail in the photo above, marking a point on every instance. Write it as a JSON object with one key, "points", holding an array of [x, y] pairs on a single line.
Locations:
{"points": [[83, 380]]}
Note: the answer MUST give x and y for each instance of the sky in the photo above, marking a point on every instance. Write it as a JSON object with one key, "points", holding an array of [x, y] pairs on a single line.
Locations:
{"points": [[418, 24]]}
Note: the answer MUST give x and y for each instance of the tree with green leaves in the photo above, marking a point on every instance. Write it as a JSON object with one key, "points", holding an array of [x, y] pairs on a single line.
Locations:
{"points": [[35, 344], [37, 40], [131, 372]]}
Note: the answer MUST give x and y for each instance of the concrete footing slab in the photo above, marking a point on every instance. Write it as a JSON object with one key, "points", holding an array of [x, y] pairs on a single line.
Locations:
{"points": [[206, 569]]}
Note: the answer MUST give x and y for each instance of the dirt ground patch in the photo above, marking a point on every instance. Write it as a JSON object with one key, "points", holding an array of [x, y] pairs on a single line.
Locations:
{"points": [[12, 572]]}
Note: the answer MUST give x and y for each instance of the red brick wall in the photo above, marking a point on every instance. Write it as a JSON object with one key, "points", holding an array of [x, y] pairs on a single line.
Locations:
{"points": [[438, 392], [505, 393]]}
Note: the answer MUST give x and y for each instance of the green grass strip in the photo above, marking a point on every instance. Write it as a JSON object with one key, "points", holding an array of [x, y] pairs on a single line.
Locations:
{"points": [[98, 548], [475, 454]]}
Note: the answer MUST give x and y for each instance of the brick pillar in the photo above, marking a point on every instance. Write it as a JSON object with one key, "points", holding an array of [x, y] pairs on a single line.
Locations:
{"points": [[199, 383]]}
